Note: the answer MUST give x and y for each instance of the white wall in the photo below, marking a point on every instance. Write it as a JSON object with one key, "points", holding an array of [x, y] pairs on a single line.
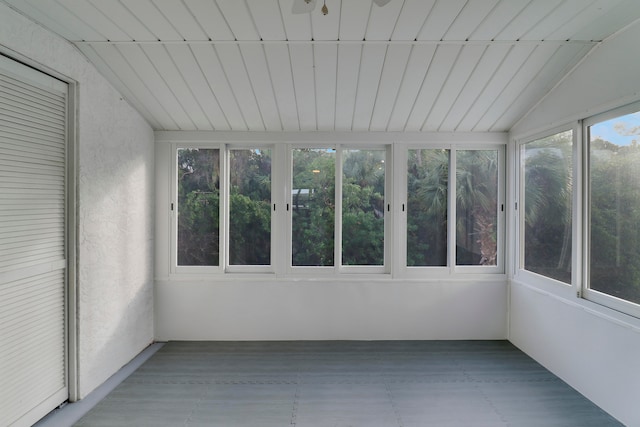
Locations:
{"points": [[331, 310], [593, 348], [115, 206]]}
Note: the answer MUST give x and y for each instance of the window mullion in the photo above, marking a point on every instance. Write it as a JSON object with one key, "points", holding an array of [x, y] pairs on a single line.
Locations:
{"points": [[451, 215], [337, 245]]}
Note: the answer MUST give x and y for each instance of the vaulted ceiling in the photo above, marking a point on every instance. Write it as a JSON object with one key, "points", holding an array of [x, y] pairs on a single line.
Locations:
{"points": [[412, 65]]}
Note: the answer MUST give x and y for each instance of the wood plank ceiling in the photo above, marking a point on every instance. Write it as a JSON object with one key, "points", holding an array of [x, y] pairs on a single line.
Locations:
{"points": [[412, 65]]}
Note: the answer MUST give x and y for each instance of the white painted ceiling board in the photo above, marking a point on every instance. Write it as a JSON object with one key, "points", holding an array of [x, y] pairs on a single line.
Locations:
{"points": [[469, 18], [411, 19], [256, 64], [168, 70], [441, 66], [619, 16], [383, 21], [510, 95], [151, 17], [532, 15], [43, 17], [210, 18], [124, 19], [393, 71], [417, 67], [498, 19], [95, 19], [182, 19], [349, 56], [490, 61], [129, 83], [563, 60], [373, 56], [236, 71], [593, 13], [304, 84], [296, 26], [354, 19], [442, 15], [239, 19], [326, 64], [502, 75], [253, 65], [268, 19], [462, 69], [216, 77], [326, 27], [194, 78], [147, 71], [280, 68]]}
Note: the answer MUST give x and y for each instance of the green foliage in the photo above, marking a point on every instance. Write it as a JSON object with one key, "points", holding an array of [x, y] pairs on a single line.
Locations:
{"points": [[427, 198], [547, 206]]}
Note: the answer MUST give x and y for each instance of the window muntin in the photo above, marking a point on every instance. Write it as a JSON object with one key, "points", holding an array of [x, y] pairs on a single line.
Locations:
{"points": [[313, 205], [249, 206], [427, 201], [546, 199], [363, 207], [477, 207], [198, 207], [614, 207]]}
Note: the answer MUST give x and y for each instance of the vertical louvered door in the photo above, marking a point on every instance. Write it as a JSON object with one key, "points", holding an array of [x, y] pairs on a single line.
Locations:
{"points": [[33, 123]]}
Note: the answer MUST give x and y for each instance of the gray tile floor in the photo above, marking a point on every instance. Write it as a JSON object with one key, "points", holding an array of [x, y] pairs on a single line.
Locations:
{"points": [[340, 384]]}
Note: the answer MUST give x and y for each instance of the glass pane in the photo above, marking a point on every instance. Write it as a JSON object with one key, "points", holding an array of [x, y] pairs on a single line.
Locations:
{"points": [[313, 207], [427, 195], [546, 202], [476, 207], [250, 207], [363, 207], [615, 207], [198, 206]]}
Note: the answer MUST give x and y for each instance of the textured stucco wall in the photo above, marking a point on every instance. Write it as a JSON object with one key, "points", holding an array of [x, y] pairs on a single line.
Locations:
{"points": [[115, 206]]}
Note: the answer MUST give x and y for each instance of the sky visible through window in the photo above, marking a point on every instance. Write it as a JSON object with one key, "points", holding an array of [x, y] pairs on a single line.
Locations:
{"points": [[620, 130]]}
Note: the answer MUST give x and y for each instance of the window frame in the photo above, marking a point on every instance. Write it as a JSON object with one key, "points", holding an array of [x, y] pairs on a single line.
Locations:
{"points": [[600, 298], [540, 280], [394, 199], [401, 197], [225, 188], [338, 268], [195, 270]]}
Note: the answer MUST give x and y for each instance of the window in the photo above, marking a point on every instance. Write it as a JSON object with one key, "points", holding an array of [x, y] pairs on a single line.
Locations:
{"points": [[614, 206], [427, 201], [198, 207], [303, 209], [250, 206], [477, 207], [363, 207], [546, 199], [313, 207]]}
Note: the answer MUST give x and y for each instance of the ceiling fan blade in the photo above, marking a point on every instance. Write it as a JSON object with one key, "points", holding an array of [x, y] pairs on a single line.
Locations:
{"points": [[303, 6], [381, 2]]}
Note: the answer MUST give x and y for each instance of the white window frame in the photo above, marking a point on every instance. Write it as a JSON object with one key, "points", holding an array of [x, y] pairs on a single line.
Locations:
{"points": [[195, 270], [568, 290], [281, 219], [225, 189], [610, 301], [451, 269], [338, 267]]}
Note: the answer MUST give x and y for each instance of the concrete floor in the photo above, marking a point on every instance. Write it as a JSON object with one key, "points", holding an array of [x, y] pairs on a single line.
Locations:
{"points": [[339, 384]]}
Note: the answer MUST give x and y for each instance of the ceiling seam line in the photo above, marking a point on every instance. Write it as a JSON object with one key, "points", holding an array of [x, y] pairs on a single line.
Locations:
{"points": [[400, 85], [341, 42]]}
